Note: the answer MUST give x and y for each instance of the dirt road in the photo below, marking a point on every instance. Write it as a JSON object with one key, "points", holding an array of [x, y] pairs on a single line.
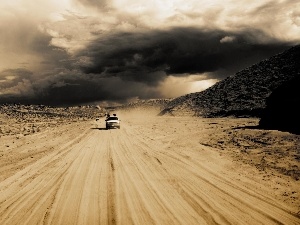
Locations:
{"points": [[147, 172]]}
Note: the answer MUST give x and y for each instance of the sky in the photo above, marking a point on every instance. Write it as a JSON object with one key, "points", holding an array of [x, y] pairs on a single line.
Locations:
{"points": [[72, 52]]}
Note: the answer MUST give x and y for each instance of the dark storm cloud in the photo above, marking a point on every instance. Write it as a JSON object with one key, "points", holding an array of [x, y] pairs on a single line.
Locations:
{"points": [[132, 65], [15, 84], [68, 88], [178, 52], [76, 89]]}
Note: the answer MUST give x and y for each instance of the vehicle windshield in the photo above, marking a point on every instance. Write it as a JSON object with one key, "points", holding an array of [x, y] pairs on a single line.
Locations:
{"points": [[112, 118]]}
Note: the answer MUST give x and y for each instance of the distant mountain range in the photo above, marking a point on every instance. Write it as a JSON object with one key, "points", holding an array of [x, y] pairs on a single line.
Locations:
{"points": [[243, 94]]}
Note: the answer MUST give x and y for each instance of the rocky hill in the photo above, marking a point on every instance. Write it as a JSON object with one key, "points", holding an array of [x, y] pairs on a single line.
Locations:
{"points": [[245, 93]]}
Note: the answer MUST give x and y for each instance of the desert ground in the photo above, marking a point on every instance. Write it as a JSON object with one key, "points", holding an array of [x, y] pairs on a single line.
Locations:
{"points": [[154, 170]]}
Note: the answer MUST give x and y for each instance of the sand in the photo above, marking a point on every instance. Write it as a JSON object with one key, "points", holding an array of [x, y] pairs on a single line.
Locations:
{"points": [[154, 170]]}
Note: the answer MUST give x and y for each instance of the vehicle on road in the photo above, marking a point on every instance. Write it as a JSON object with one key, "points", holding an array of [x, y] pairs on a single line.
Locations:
{"points": [[112, 122]]}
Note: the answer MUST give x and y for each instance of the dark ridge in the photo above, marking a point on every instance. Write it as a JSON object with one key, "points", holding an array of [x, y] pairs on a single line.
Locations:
{"points": [[243, 94]]}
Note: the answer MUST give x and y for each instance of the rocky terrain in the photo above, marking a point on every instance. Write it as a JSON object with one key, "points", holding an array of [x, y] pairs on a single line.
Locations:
{"points": [[16, 119]]}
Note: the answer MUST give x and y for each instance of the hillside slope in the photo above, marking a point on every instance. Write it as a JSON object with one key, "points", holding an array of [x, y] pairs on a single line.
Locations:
{"points": [[243, 94]]}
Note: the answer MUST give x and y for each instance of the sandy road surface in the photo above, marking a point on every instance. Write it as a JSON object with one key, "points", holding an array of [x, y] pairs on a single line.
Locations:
{"points": [[148, 172]]}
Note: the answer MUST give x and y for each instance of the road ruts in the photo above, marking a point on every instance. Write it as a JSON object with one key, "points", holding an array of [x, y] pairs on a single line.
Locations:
{"points": [[127, 176]]}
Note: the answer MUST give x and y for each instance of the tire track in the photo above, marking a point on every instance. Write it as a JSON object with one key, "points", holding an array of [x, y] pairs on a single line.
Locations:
{"points": [[129, 176], [74, 195], [236, 198], [111, 217], [149, 190], [31, 189]]}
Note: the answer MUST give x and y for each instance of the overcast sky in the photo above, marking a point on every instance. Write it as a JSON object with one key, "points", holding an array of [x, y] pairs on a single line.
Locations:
{"points": [[83, 51]]}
